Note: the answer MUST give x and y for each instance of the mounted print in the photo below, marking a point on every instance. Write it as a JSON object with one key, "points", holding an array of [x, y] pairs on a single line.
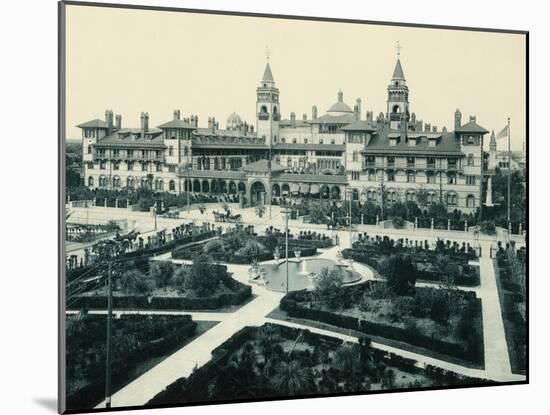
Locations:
{"points": [[260, 207]]}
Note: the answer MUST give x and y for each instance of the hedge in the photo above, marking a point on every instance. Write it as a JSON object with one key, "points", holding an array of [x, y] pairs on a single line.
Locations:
{"points": [[241, 294], [91, 394], [290, 304]]}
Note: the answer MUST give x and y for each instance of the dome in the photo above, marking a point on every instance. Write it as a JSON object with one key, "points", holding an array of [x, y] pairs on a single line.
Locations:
{"points": [[340, 106], [234, 120]]}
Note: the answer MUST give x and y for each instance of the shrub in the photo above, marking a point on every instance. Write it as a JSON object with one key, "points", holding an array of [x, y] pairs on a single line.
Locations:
{"points": [[135, 282], [400, 272], [328, 288], [162, 272]]}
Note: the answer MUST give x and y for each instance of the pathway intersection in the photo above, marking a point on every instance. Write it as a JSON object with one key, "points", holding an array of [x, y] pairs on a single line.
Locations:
{"points": [[198, 352]]}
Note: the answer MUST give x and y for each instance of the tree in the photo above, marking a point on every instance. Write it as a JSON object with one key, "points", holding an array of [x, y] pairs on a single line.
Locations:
{"points": [[347, 359], [162, 272], [260, 210], [400, 272], [135, 282], [251, 248], [292, 379], [328, 288], [204, 277]]}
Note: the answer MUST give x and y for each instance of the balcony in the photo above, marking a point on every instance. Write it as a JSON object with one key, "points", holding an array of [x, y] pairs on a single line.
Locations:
{"points": [[263, 116]]}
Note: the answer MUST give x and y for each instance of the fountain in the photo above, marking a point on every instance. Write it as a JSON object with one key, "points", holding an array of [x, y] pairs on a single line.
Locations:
{"points": [[303, 268]]}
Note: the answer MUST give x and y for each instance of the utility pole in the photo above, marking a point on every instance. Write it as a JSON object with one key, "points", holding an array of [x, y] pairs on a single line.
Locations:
{"points": [[350, 194], [286, 244], [509, 171], [109, 342], [382, 195]]}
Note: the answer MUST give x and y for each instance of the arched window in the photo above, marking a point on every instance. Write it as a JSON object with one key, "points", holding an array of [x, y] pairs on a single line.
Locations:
{"points": [[396, 109], [172, 185], [159, 184], [89, 149], [274, 109], [116, 182], [452, 199], [471, 201], [130, 182], [263, 109], [171, 150], [90, 181]]}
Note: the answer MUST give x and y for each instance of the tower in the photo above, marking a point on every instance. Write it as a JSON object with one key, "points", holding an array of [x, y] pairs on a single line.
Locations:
{"points": [[398, 96], [268, 112], [492, 163]]}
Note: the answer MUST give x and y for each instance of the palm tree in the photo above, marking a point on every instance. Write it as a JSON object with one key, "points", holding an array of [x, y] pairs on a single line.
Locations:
{"points": [[267, 337], [260, 210], [291, 378], [134, 282], [346, 359]]}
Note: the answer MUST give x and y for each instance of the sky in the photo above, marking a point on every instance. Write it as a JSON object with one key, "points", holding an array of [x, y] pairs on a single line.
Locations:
{"points": [[132, 61]]}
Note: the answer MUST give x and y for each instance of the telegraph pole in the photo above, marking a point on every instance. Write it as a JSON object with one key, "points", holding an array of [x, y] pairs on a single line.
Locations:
{"points": [[109, 341], [286, 244], [350, 194]]}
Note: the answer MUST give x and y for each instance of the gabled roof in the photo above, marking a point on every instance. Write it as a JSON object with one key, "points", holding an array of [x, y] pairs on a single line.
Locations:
{"points": [[446, 145], [471, 127], [359, 125], [97, 123], [268, 76], [262, 166], [177, 124], [398, 71]]}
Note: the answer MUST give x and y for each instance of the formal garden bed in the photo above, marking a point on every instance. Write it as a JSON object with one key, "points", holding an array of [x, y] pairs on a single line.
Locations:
{"points": [[161, 285], [276, 361], [242, 246], [446, 321], [511, 283], [139, 342], [448, 263]]}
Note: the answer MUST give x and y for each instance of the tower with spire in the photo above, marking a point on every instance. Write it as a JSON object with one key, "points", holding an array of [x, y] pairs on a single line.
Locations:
{"points": [[268, 111], [398, 96], [492, 162]]}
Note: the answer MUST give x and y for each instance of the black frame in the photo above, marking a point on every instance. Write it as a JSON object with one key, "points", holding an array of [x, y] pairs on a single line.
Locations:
{"points": [[61, 195]]}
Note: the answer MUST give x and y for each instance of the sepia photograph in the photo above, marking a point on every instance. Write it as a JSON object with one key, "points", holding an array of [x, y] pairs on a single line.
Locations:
{"points": [[265, 207]]}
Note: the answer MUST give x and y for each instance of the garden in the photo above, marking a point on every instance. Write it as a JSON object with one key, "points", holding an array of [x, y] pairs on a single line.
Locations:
{"points": [[240, 245], [444, 263], [510, 267], [444, 322], [139, 342], [274, 361], [143, 284]]}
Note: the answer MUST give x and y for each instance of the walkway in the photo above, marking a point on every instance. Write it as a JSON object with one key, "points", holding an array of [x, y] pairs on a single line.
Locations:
{"points": [[198, 352]]}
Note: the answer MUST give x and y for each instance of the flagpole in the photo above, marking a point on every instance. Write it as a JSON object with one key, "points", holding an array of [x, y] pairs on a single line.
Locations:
{"points": [[509, 171]]}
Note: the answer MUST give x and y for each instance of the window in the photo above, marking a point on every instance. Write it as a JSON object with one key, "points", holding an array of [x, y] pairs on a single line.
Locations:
{"points": [[355, 156], [470, 161], [471, 201], [159, 184], [431, 162], [90, 181], [130, 165], [320, 141], [451, 178], [372, 175], [115, 152], [431, 198], [158, 167], [144, 166], [294, 140], [471, 180], [410, 196], [102, 165], [115, 165], [90, 165], [370, 161], [172, 168], [130, 182], [410, 161], [411, 177], [332, 141], [391, 176], [283, 139], [171, 150], [431, 177], [143, 153], [172, 185], [89, 149], [305, 140], [391, 161], [452, 199], [451, 163], [116, 182]]}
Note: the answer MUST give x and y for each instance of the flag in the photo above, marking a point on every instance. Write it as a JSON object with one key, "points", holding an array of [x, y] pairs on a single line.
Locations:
{"points": [[504, 132]]}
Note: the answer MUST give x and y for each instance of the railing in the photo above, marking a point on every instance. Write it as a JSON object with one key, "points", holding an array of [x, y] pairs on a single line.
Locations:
{"points": [[126, 156]]}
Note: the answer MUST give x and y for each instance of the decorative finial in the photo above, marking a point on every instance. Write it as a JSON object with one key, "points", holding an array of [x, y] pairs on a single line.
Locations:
{"points": [[267, 52], [398, 47]]}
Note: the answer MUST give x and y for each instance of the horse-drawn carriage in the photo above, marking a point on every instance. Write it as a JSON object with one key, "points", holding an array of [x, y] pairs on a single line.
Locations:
{"points": [[227, 217]]}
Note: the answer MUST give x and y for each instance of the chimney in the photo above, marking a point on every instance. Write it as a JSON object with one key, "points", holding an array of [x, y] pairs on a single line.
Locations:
{"points": [[413, 118], [251, 128], [144, 123], [118, 121], [209, 123], [196, 121], [244, 128], [176, 114], [356, 112], [304, 117], [427, 127], [358, 104], [472, 118], [292, 119], [434, 129], [444, 129], [458, 119], [369, 116], [314, 112], [109, 121]]}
